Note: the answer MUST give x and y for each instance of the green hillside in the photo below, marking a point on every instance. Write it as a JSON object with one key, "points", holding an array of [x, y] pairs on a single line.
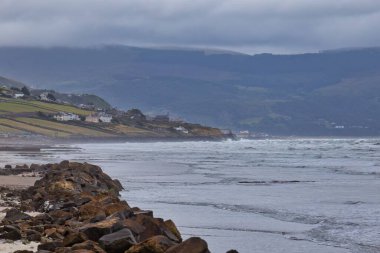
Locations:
{"points": [[20, 117]]}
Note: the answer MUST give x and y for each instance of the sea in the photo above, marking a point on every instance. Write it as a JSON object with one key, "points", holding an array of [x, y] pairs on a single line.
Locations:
{"points": [[276, 195]]}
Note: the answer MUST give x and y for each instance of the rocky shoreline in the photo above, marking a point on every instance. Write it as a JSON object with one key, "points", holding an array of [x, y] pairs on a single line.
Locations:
{"points": [[75, 207]]}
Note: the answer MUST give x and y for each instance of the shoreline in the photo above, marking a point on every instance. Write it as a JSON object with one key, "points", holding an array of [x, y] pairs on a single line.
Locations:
{"points": [[77, 207]]}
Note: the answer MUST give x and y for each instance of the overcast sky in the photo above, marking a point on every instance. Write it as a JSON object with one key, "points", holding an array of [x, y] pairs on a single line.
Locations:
{"points": [[251, 26]]}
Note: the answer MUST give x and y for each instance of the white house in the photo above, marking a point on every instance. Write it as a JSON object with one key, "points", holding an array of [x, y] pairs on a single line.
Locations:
{"points": [[44, 96], [106, 118], [18, 95], [92, 118], [99, 117], [226, 131], [66, 116], [182, 129]]}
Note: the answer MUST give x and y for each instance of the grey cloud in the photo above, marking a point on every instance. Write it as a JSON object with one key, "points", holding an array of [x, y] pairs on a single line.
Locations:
{"points": [[280, 26]]}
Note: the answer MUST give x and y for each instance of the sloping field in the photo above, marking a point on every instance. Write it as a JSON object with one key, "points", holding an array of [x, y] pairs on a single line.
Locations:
{"points": [[5, 129], [11, 107], [24, 106], [131, 131], [60, 108], [32, 129], [75, 130]]}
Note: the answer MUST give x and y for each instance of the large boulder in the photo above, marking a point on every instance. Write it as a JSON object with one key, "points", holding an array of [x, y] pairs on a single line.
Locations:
{"points": [[117, 242], [94, 231], [14, 214], [33, 235], [9, 232], [170, 225], [155, 226], [88, 245], [50, 246], [191, 245], [155, 244], [91, 210], [73, 238]]}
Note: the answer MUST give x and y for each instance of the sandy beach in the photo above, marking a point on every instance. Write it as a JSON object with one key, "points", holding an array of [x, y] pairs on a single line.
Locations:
{"points": [[17, 181]]}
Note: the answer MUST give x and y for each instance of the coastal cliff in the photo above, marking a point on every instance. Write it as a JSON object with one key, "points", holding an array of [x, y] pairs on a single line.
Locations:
{"points": [[75, 207]]}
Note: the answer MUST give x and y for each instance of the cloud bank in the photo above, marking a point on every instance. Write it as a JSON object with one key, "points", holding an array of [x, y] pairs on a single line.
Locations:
{"points": [[279, 26]]}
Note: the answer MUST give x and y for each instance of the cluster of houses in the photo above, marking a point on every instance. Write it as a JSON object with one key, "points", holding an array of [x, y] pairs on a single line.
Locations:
{"points": [[99, 117], [94, 118], [6, 92], [62, 116]]}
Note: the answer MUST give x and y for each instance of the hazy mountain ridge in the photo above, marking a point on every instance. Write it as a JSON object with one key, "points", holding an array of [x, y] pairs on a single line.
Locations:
{"points": [[305, 94]]}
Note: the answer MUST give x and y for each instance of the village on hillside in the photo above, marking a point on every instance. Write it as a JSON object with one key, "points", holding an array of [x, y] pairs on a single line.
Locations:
{"points": [[24, 113]]}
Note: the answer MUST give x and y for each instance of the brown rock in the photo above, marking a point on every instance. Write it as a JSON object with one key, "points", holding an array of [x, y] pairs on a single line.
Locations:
{"points": [[134, 226], [50, 246], [53, 233], [9, 232], [166, 231], [169, 224], [94, 231], [50, 231], [88, 245], [15, 215], [151, 227], [156, 244], [191, 245], [60, 214], [73, 238], [117, 242], [116, 207], [91, 210], [33, 235], [82, 251], [63, 250]]}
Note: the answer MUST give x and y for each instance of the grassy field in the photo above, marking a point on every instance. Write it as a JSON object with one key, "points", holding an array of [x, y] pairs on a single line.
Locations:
{"points": [[32, 129], [19, 116], [25, 106], [5, 129], [60, 108], [131, 131], [66, 128]]}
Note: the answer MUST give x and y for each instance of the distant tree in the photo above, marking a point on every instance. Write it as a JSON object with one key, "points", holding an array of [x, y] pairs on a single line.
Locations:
{"points": [[41, 114], [15, 89], [115, 121], [51, 97], [26, 91]]}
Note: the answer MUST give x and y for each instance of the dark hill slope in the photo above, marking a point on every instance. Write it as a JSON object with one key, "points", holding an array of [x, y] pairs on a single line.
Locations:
{"points": [[305, 94]]}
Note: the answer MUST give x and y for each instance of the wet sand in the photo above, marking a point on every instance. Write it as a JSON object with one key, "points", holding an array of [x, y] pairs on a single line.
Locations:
{"points": [[17, 181]]}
